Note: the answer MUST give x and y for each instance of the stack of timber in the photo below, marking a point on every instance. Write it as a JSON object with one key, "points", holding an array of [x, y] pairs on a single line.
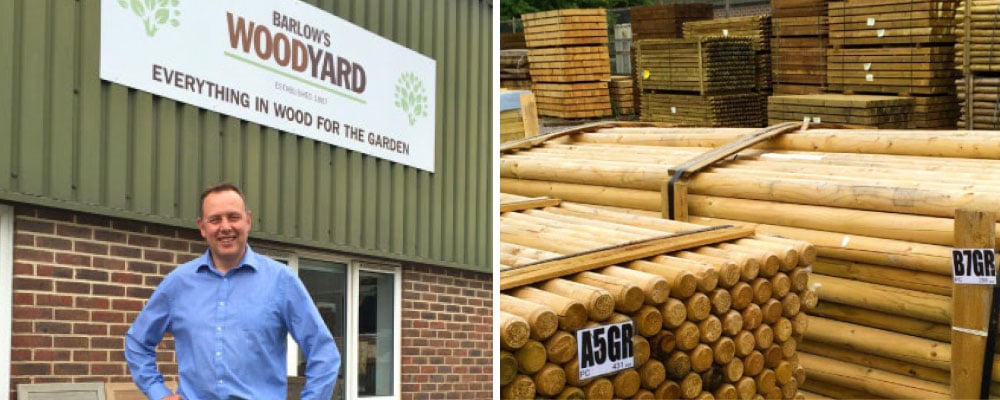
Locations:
{"points": [[512, 40], [798, 47], [703, 65], [893, 70], [874, 111], [901, 47], [705, 81], [758, 29], [717, 316], [665, 21], [567, 48], [661, 21], [622, 94], [518, 115], [735, 109], [891, 22], [514, 71], [977, 58], [878, 205]]}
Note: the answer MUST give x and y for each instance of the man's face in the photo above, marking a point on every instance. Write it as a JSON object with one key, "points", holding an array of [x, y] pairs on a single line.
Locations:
{"points": [[225, 224]]}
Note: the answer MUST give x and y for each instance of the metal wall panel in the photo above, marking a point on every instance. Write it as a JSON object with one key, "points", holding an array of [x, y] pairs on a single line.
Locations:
{"points": [[70, 140]]}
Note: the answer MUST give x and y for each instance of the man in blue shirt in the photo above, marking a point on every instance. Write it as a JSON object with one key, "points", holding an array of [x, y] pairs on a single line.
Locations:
{"points": [[229, 311]]}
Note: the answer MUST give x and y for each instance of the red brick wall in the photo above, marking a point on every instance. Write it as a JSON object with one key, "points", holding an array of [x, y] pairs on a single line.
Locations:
{"points": [[80, 280], [447, 337]]}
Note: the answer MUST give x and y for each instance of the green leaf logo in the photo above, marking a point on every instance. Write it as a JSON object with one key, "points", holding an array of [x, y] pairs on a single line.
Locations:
{"points": [[154, 13], [411, 96]]}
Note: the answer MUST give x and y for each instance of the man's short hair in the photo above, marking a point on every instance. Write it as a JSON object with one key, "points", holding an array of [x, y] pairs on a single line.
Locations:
{"points": [[218, 188]]}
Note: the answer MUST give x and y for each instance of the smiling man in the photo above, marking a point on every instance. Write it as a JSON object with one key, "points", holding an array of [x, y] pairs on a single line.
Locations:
{"points": [[229, 311]]}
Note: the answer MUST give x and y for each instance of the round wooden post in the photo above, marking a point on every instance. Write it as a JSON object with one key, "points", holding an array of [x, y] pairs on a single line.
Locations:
{"points": [[971, 305]]}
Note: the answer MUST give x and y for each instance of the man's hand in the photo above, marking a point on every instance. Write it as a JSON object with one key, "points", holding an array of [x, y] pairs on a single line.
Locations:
{"points": [[172, 397]]}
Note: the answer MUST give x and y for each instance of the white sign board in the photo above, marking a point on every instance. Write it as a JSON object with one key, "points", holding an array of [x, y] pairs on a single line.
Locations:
{"points": [[283, 64], [974, 266], [605, 349]]}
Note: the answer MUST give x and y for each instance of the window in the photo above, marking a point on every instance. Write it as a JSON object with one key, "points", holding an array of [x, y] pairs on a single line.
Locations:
{"points": [[6, 286], [360, 302]]}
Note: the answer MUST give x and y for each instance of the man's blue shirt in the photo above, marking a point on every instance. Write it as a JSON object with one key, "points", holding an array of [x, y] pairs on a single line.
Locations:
{"points": [[229, 332]]}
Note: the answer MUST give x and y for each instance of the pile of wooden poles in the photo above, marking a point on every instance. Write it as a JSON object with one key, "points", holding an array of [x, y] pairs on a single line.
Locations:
{"points": [[715, 321], [877, 204], [757, 28], [982, 104], [734, 109], [977, 40], [703, 66], [706, 81], [977, 58]]}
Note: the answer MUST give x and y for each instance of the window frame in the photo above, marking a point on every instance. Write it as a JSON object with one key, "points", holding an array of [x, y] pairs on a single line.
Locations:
{"points": [[354, 276], [354, 266], [6, 286]]}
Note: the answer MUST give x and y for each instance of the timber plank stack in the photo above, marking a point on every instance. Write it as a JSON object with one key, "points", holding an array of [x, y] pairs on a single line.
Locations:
{"points": [[512, 40], [567, 48], [864, 198], [798, 47], [758, 29], [710, 79], [518, 115], [514, 71], [622, 94], [899, 47], [976, 59], [665, 21], [875, 111], [720, 320]]}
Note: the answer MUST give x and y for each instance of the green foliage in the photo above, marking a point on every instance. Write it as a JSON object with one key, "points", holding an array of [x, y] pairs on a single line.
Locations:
{"points": [[510, 9], [411, 96], [153, 13]]}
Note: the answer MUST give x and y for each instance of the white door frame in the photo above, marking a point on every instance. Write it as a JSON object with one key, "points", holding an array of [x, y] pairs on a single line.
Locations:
{"points": [[7, 288], [397, 320]]}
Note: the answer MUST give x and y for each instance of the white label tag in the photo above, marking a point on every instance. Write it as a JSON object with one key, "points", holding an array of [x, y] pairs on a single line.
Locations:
{"points": [[868, 66], [870, 77], [605, 349], [817, 120], [871, 21], [725, 33], [974, 266], [673, 110], [880, 32], [805, 119]]}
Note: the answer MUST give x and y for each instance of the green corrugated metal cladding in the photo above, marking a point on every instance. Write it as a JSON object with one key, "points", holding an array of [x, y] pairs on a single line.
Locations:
{"points": [[70, 140]]}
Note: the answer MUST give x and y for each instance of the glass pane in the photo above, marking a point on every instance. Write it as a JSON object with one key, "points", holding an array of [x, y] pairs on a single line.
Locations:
{"points": [[375, 334], [327, 284]]}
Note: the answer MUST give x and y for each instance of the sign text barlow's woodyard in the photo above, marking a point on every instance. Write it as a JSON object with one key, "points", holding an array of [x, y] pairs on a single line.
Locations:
{"points": [[257, 39], [286, 65]]}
